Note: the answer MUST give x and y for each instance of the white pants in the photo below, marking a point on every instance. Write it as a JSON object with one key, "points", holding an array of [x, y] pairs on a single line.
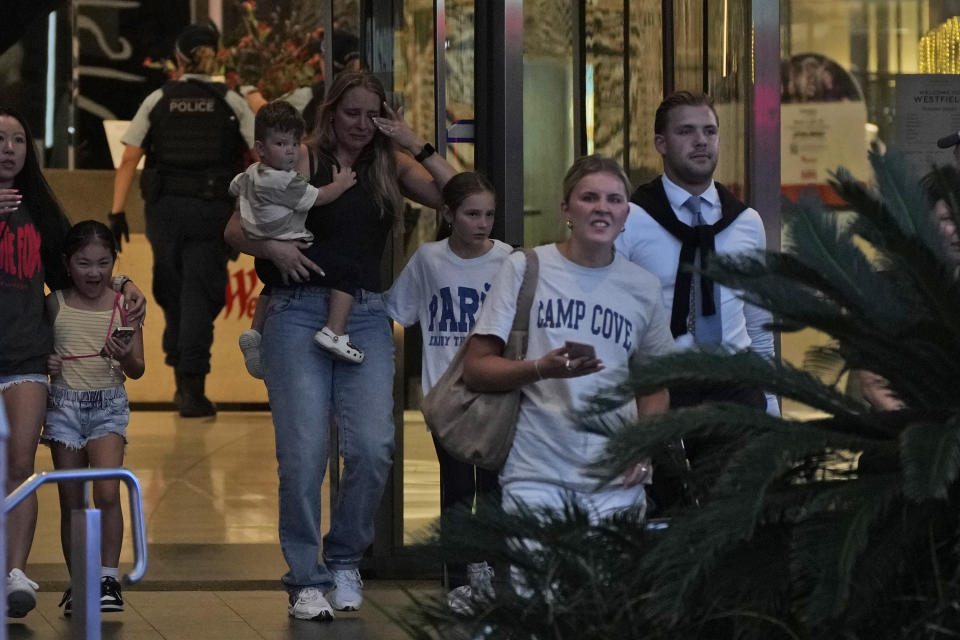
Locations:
{"points": [[542, 495], [597, 504]]}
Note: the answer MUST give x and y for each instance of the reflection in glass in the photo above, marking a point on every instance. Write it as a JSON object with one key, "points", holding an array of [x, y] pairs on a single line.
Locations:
{"points": [[346, 40], [844, 63], [604, 99], [458, 58], [548, 135], [413, 66], [413, 90], [688, 41], [646, 87], [730, 85], [346, 16], [873, 42]]}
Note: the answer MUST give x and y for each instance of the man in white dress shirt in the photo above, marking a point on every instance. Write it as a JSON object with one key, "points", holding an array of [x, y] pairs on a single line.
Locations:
{"points": [[683, 216]]}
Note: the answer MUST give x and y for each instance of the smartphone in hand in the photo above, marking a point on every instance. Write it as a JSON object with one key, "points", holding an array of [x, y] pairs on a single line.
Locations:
{"points": [[576, 350], [124, 334]]}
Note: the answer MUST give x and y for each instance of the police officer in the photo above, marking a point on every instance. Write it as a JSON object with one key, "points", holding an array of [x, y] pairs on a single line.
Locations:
{"points": [[194, 132]]}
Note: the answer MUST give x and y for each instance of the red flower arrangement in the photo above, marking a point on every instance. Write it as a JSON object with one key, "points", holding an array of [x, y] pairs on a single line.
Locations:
{"points": [[276, 59]]}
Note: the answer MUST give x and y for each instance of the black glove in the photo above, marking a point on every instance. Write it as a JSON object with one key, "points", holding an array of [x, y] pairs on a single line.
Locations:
{"points": [[118, 227]]}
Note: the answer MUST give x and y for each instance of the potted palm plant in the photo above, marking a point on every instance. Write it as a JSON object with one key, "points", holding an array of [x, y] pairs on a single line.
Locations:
{"points": [[840, 526]]}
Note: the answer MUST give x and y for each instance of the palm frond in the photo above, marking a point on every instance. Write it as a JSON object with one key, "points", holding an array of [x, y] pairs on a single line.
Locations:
{"points": [[731, 427], [820, 244], [844, 526], [887, 338], [901, 571], [910, 199], [834, 540], [748, 369], [906, 235], [931, 458], [900, 188]]}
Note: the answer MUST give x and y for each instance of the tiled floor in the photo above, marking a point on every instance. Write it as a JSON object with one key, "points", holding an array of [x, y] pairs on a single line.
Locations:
{"points": [[210, 504], [226, 615]]}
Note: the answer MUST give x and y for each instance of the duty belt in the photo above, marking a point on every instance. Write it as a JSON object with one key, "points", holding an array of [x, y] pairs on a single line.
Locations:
{"points": [[206, 186]]}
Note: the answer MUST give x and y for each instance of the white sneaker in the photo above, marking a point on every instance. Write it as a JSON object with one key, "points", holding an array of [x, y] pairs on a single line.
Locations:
{"points": [[338, 346], [480, 589], [309, 604], [347, 595], [460, 600], [250, 346], [480, 575], [21, 594]]}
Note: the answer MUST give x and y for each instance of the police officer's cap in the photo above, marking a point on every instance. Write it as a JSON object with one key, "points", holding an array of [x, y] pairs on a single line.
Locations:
{"points": [[198, 34]]}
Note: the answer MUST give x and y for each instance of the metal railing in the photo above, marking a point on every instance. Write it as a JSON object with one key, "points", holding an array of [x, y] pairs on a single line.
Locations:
{"points": [[84, 539]]}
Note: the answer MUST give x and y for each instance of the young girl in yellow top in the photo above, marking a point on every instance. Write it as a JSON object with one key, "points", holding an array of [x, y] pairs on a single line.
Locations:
{"points": [[87, 407]]}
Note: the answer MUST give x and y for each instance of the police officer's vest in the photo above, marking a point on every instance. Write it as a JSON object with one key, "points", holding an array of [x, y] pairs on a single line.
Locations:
{"points": [[194, 145]]}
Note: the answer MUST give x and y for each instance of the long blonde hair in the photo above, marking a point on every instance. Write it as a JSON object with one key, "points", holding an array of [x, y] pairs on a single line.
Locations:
{"points": [[196, 48], [202, 60], [383, 169]]}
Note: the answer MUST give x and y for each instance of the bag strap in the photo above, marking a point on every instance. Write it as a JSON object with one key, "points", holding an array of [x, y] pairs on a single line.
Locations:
{"points": [[521, 320], [123, 321]]}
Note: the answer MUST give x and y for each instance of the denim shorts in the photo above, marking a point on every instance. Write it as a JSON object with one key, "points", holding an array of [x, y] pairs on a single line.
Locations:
{"points": [[76, 417], [9, 381]]}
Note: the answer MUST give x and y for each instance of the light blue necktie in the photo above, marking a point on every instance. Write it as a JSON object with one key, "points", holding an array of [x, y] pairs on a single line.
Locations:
{"points": [[704, 329]]}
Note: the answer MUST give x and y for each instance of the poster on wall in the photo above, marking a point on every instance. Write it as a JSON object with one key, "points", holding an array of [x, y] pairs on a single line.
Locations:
{"points": [[928, 108], [816, 139], [823, 125]]}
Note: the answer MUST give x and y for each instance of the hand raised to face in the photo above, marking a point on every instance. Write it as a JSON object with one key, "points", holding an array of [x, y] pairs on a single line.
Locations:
{"points": [[395, 127]]}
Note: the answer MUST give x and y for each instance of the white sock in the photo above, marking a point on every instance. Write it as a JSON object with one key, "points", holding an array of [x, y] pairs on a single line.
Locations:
{"points": [[112, 572]]}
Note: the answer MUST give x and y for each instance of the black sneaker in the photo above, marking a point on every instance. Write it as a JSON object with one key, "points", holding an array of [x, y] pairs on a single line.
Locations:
{"points": [[67, 603], [111, 598]]}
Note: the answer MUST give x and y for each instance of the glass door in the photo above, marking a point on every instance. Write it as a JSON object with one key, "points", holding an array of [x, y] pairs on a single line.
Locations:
{"points": [[517, 89], [423, 53], [416, 470], [433, 81], [859, 74]]}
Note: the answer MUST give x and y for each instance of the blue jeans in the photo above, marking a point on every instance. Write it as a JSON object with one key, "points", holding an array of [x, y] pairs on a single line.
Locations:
{"points": [[7, 382], [75, 417], [306, 387]]}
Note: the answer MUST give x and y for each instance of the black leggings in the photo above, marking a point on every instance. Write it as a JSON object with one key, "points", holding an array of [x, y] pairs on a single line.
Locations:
{"points": [[461, 483]]}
